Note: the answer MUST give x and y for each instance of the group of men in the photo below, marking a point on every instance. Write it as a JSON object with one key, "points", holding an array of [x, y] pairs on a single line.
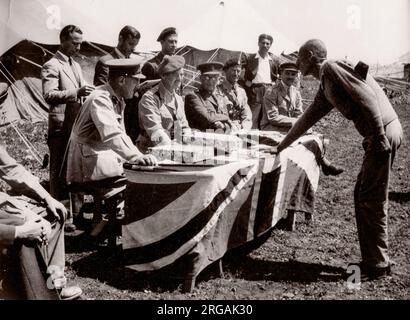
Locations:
{"points": [[94, 128]]}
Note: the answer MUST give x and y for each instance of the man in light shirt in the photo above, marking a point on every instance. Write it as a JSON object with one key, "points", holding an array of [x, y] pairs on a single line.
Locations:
{"points": [[261, 71]]}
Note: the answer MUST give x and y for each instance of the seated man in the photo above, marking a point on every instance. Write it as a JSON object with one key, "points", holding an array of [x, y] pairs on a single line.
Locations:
{"points": [[282, 106], [237, 102], [161, 110], [23, 232], [99, 144], [206, 109]]}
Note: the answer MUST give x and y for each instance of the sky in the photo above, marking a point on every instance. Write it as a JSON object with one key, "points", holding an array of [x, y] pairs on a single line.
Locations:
{"points": [[375, 31]]}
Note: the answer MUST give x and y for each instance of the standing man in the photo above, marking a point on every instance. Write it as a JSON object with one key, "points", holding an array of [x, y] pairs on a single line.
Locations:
{"points": [[238, 108], [63, 88], [169, 42], [206, 109], [261, 70], [99, 144], [359, 98], [127, 41]]}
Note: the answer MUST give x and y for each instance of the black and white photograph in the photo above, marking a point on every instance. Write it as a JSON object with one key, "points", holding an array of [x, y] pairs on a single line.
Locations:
{"points": [[219, 152]]}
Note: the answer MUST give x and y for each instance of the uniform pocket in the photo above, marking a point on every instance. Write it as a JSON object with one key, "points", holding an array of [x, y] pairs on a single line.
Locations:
{"points": [[100, 164]]}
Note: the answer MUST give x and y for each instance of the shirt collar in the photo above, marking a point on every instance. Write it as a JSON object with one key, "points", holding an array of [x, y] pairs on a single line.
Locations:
{"points": [[286, 87], [119, 53], [165, 93], [259, 57], [321, 70], [227, 85], [111, 91], [65, 58]]}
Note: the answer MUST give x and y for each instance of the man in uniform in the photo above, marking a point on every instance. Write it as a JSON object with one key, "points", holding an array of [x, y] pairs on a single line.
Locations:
{"points": [[99, 145], [359, 98], [31, 236], [282, 106], [237, 101], [206, 109], [127, 41], [169, 42], [261, 70], [63, 88]]}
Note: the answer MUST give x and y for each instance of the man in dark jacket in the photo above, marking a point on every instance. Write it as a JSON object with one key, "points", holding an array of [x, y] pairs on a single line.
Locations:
{"points": [[206, 109], [128, 39], [169, 42], [261, 70]]}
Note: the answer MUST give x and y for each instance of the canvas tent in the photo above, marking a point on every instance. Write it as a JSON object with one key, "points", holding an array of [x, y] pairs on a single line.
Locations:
{"points": [[29, 36]]}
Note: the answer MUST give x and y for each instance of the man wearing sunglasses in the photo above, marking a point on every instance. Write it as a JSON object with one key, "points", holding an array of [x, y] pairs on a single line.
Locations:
{"points": [[206, 109]]}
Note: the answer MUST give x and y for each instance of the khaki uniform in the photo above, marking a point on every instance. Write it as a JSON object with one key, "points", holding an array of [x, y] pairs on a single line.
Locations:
{"points": [[281, 107], [98, 142], [203, 109], [161, 113], [237, 104], [14, 211]]}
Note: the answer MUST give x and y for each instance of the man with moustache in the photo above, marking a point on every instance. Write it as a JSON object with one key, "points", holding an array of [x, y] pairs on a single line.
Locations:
{"points": [[237, 101], [206, 109]]}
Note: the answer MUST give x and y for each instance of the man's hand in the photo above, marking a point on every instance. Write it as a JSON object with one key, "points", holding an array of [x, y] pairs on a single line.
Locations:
{"points": [[56, 208], [381, 144], [218, 125], [85, 90], [34, 230], [145, 160]]}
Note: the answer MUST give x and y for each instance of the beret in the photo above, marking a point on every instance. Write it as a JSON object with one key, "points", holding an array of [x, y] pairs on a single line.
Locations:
{"points": [[210, 67], [125, 67], [170, 64], [288, 66], [167, 32]]}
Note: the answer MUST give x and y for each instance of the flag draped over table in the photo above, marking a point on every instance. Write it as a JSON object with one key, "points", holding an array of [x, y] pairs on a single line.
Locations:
{"points": [[208, 210]]}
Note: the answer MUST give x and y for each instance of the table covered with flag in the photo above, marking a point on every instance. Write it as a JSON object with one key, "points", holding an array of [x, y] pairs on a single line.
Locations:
{"points": [[201, 212]]}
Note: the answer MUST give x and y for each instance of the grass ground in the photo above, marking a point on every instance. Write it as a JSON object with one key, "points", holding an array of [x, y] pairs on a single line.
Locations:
{"points": [[304, 264]]}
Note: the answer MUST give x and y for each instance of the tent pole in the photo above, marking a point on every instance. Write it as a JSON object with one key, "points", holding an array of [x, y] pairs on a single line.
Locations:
{"points": [[27, 143], [42, 48], [97, 47], [28, 100], [27, 60]]}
